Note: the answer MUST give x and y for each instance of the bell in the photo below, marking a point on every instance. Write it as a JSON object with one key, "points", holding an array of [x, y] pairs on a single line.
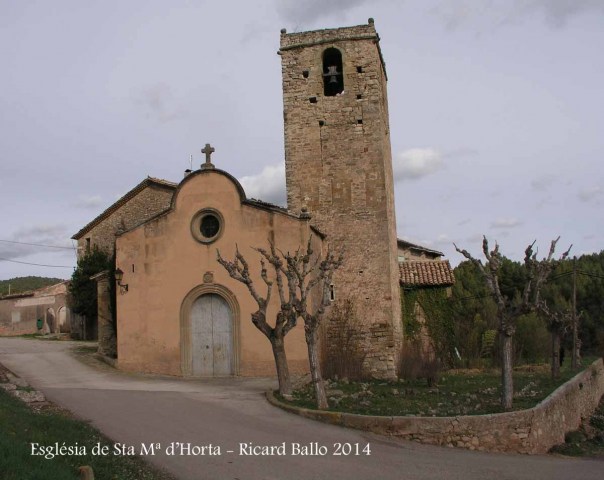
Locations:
{"points": [[332, 72]]}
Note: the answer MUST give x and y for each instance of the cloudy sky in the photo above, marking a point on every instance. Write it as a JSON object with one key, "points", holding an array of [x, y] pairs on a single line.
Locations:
{"points": [[497, 113]]}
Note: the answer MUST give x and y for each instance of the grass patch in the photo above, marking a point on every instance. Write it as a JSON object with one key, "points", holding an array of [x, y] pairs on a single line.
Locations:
{"points": [[21, 426], [458, 392]]}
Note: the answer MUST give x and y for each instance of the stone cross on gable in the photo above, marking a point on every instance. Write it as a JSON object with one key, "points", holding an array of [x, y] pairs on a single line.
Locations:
{"points": [[208, 150]]}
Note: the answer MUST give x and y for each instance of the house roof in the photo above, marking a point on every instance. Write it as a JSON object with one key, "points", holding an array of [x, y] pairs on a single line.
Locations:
{"points": [[426, 274], [9, 296], [147, 182], [413, 246], [38, 292]]}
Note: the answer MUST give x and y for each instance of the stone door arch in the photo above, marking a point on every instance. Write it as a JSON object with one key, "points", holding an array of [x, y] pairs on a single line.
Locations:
{"points": [[209, 332]]}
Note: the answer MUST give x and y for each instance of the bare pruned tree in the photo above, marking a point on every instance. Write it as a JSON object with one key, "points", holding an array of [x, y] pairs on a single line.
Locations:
{"points": [[508, 310], [239, 270], [303, 283], [557, 322], [312, 273]]}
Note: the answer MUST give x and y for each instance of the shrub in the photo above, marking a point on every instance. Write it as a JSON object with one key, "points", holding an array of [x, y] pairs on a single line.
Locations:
{"points": [[83, 290], [532, 340], [416, 363]]}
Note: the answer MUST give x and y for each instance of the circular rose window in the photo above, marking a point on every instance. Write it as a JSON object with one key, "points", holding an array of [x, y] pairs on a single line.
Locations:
{"points": [[206, 225]]}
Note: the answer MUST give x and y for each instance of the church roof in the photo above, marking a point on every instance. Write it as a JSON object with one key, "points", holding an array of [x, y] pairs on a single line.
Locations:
{"points": [[413, 246], [263, 204], [436, 273], [147, 182]]}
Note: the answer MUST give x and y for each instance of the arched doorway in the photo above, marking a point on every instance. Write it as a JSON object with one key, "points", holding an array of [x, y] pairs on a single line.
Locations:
{"points": [[64, 326], [212, 352], [50, 320]]}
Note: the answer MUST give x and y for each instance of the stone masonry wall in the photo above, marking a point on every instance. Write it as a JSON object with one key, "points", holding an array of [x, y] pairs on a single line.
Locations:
{"points": [[339, 167], [535, 430], [148, 202], [532, 431]]}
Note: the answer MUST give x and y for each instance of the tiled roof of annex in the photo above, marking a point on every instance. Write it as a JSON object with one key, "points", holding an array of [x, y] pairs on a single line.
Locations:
{"points": [[437, 273]]}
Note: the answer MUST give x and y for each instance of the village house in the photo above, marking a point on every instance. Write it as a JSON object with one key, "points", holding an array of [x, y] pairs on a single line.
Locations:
{"points": [[179, 312], [44, 310]]}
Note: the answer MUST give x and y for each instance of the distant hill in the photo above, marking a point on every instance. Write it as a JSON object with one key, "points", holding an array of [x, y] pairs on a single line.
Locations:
{"points": [[23, 284]]}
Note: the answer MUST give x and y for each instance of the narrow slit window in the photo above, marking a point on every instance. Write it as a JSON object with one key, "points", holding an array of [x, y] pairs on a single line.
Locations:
{"points": [[333, 76]]}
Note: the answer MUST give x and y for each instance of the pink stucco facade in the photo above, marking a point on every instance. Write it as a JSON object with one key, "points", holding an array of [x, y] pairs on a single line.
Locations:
{"points": [[167, 269]]}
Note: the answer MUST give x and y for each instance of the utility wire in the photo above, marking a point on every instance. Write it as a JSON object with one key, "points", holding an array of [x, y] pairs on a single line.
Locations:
{"points": [[36, 264], [37, 244]]}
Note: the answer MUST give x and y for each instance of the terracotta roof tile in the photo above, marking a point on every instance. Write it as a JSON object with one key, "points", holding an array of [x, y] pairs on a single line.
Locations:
{"points": [[426, 274]]}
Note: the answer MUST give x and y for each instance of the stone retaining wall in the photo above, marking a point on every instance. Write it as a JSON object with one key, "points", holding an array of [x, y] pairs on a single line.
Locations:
{"points": [[535, 430]]}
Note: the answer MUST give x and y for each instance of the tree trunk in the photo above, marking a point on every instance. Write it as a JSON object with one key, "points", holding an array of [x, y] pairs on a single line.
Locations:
{"points": [[576, 359], [315, 371], [507, 383], [555, 353], [285, 386]]}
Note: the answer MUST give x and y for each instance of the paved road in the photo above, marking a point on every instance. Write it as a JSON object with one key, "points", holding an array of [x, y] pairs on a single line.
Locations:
{"points": [[135, 409]]}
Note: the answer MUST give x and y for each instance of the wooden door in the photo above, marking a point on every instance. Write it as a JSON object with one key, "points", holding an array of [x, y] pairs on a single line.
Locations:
{"points": [[211, 336]]}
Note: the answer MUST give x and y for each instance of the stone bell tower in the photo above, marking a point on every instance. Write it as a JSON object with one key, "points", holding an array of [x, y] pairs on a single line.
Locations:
{"points": [[338, 166]]}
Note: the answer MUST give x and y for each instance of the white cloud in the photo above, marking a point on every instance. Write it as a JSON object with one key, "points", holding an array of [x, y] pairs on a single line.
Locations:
{"points": [[92, 201], [556, 13], [307, 11], [475, 238], [506, 223], [590, 194], [542, 183], [158, 101], [43, 230], [443, 239], [268, 185], [19, 243], [416, 163]]}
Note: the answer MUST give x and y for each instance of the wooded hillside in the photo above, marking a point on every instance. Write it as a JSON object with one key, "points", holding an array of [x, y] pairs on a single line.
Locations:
{"points": [[24, 284]]}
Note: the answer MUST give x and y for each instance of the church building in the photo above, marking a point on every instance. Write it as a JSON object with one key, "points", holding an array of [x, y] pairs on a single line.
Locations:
{"points": [[179, 312]]}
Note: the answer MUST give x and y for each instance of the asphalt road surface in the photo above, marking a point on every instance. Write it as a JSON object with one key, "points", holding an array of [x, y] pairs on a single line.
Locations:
{"points": [[232, 416]]}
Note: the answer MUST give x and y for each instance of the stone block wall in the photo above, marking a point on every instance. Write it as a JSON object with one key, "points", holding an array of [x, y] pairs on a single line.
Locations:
{"points": [[532, 431], [143, 202], [535, 430], [339, 167]]}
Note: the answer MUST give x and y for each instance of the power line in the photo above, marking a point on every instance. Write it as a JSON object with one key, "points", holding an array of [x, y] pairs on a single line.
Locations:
{"points": [[594, 275], [37, 244], [36, 264]]}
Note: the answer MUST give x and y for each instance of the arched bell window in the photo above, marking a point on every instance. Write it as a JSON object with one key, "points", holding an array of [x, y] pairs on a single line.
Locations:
{"points": [[333, 75]]}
